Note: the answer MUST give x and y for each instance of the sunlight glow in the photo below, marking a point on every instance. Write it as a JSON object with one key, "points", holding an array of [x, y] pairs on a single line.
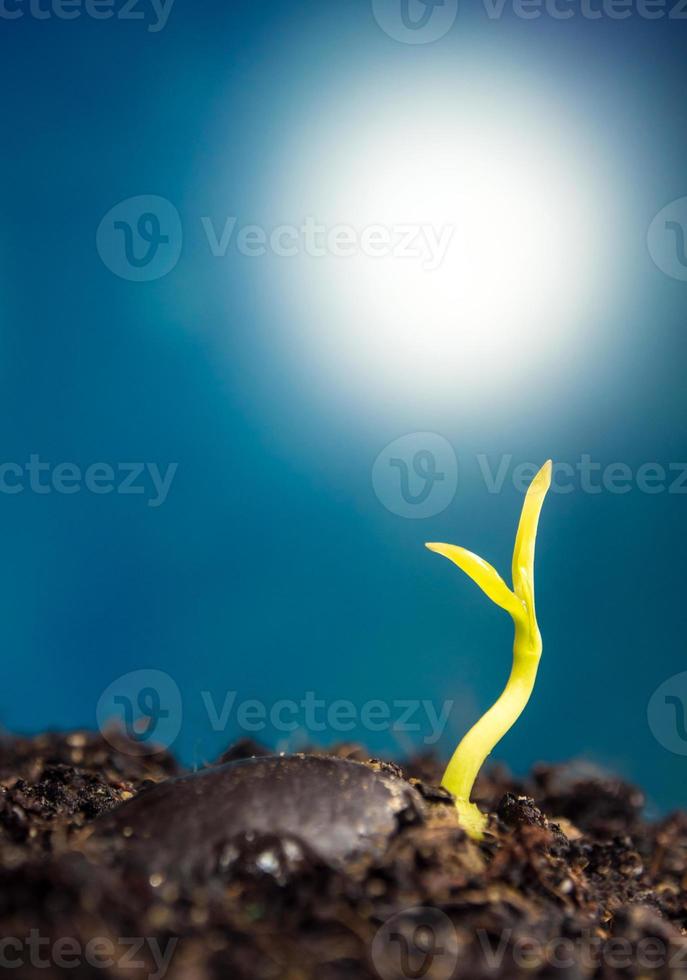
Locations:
{"points": [[506, 221]]}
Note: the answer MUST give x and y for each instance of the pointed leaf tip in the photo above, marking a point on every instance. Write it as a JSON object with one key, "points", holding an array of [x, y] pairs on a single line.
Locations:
{"points": [[542, 480], [523, 553]]}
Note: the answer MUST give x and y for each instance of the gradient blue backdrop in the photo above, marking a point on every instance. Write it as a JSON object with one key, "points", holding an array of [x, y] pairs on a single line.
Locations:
{"points": [[272, 568]]}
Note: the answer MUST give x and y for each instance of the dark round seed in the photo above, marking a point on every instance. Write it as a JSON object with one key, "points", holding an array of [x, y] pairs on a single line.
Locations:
{"points": [[340, 810]]}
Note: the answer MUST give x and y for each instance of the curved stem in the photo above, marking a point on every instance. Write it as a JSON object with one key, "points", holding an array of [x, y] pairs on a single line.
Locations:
{"points": [[479, 742]]}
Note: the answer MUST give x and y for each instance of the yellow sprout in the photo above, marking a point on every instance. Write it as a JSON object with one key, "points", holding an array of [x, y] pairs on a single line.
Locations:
{"points": [[468, 758]]}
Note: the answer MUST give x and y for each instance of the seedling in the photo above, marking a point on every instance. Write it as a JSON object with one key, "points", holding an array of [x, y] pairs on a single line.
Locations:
{"points": [[468, 758]]}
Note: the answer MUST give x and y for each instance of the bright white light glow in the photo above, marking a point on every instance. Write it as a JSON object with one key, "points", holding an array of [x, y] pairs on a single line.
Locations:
{"points": [[499, 170]]}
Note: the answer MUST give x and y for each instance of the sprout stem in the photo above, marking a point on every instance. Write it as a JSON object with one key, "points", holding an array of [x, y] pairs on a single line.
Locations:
{"points": [[468, 758]]}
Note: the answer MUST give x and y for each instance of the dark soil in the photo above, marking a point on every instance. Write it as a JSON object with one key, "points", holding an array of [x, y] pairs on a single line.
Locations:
{"points": [[105, 873]]}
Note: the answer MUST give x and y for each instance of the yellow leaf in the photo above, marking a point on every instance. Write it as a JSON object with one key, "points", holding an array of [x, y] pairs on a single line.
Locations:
{"points": [[523, 553], [484, 574]]}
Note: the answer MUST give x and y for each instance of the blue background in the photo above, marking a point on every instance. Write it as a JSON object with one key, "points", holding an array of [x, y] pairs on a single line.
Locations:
{"points": [[272, 568]]}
